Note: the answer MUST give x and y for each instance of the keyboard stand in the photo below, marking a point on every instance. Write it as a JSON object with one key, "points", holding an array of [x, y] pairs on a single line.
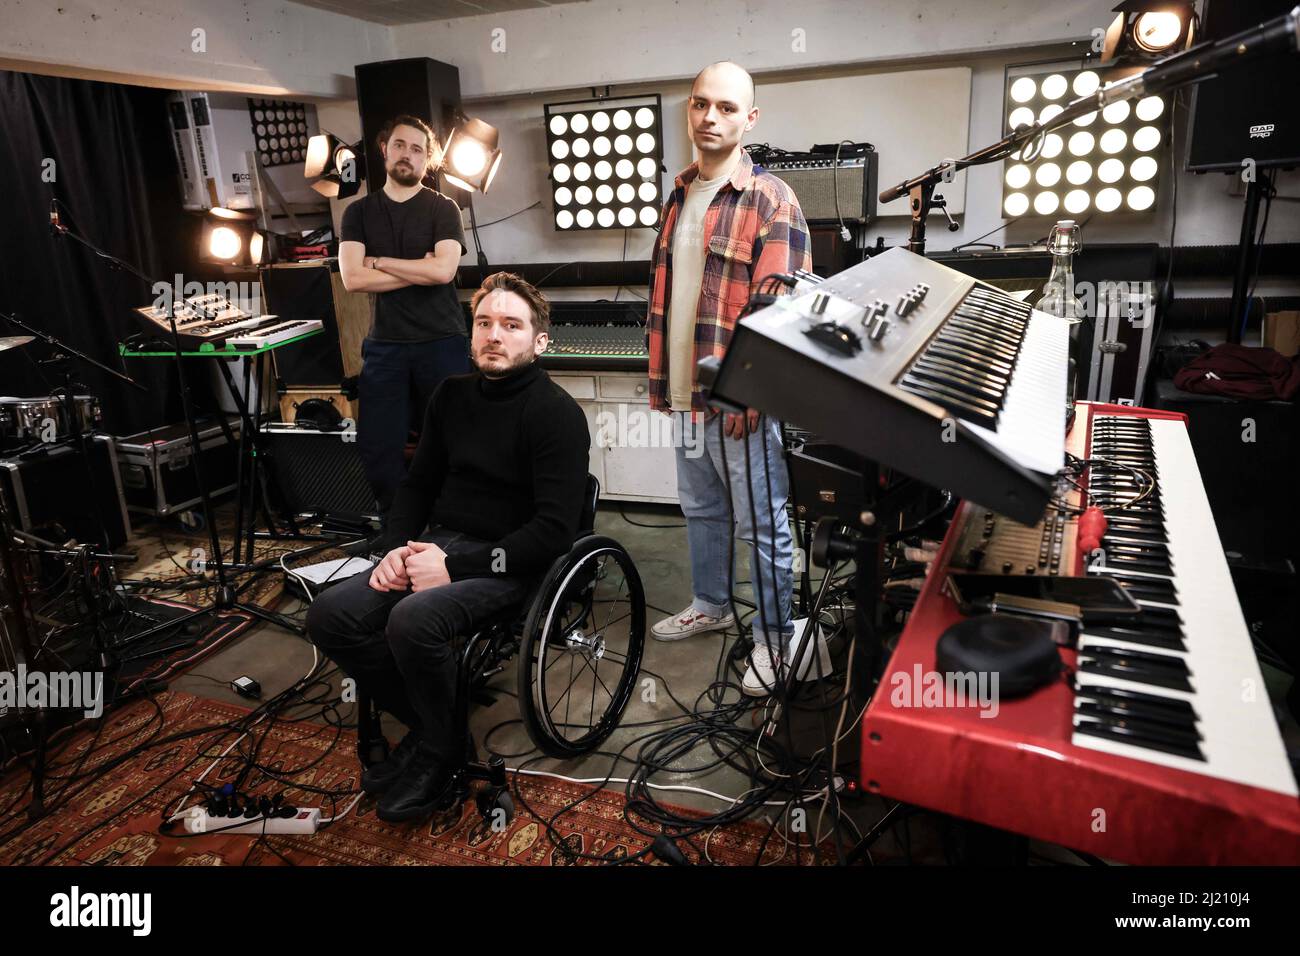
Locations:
{"points": [[256, 480]]}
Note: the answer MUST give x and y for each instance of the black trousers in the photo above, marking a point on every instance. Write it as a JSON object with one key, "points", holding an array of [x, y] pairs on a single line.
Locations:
{"points": [[397, 380], [399, 645]]}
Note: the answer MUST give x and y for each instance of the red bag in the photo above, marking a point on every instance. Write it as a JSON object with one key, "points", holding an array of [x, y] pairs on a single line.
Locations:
{"points": [[1238, 371]]}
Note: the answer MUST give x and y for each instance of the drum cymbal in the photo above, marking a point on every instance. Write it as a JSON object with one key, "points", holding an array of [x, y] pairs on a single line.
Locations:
{"points": [[13, 341]]}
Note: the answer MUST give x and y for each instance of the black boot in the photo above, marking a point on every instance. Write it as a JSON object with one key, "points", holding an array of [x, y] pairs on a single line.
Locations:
{"points": [[426, 785], [377, 778]]}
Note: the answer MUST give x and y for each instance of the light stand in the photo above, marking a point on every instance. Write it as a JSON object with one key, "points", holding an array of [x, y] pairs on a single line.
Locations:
{"points": [[1248, 250]]}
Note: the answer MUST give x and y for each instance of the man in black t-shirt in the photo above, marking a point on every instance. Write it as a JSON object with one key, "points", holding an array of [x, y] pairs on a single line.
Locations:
{"points": [[403, 244]]}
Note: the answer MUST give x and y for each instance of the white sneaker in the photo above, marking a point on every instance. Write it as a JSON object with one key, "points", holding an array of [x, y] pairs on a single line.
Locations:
{"points": [[814, 664], [765, 668], [761, 678], [687, 623]]}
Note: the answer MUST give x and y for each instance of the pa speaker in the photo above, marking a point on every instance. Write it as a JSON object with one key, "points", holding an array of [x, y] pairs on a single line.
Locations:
{"points": [[420, 87], [1248, 112], [314, 290]]}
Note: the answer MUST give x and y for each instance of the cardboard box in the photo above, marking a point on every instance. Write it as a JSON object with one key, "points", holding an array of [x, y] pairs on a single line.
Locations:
{"points": [[1282, 332], [348, 408]]}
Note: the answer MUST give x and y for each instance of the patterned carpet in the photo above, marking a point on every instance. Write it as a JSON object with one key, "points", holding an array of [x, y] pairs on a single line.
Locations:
{"points": [[166, 552], [111, 818], [168, 555]]}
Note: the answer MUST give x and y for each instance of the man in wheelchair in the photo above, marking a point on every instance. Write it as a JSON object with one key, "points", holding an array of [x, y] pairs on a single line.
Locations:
{"points": [[493, 495]]}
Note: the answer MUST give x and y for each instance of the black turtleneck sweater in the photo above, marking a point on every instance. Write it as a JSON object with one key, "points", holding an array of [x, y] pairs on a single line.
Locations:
{"points": [[504, 460]]}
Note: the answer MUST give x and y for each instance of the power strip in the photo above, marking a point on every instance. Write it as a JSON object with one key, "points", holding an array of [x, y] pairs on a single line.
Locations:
{"points": [[304, 820]]}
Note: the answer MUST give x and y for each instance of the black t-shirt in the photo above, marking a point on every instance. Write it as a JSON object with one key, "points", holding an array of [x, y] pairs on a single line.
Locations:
{"points": [[409, 230]]}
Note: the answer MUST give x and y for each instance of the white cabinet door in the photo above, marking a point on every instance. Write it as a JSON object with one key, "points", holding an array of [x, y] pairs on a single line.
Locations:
{"points": [[596, 456], [645, 471]]}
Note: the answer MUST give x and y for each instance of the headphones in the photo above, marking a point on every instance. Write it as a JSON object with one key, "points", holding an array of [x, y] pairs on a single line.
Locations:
{"points": [[318, 414]]}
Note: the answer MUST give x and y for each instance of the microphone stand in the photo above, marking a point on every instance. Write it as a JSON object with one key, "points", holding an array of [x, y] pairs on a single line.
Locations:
{"points": [[227, 596], [1281, 34]]}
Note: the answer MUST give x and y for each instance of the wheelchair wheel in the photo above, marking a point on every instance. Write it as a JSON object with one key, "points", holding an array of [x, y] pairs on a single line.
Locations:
{"points": [[581, 648]]}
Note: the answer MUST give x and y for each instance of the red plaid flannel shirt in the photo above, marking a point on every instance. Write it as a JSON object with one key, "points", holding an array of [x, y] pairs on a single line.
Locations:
{"points": [[753, 228]]}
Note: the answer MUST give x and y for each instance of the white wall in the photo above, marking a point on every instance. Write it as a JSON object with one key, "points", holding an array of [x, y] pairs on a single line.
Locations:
{"points": [[653, 41], [253, 46], [531, 236]]}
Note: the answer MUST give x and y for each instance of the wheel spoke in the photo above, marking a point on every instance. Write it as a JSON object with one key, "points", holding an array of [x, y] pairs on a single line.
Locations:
{"points": [[621, 617], [591, 714], [621, 584], [566, 692], [595, 671], [573, 679]]}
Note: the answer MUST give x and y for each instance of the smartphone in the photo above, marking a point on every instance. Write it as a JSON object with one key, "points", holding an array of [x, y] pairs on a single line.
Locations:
{"points": [[1087, 599]]}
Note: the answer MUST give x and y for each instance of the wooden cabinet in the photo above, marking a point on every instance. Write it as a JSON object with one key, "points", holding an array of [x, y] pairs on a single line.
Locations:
{"points": [[631, 446]]}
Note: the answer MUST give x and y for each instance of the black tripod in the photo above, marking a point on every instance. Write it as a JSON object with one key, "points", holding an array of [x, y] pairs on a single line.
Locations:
{"points": [[227, 596]]}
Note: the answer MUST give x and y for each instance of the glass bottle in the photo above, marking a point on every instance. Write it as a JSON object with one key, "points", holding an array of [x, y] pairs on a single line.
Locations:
{"points": [[1058, 296]]}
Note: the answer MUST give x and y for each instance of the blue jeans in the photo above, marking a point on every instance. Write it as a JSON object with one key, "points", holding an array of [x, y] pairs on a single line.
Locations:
{"points": [[703, 484], [397, 380]]}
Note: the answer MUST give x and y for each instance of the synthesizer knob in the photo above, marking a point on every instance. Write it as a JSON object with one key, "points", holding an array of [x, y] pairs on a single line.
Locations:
{"points": [[838, 338], [879, 326]]}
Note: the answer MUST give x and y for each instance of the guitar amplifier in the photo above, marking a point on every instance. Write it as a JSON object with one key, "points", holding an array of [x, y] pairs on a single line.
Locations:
{"points": [[319, 472], [816, 178]]}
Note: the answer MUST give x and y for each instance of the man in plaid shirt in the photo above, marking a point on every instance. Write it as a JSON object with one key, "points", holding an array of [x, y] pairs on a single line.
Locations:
{"points": [[727, 226]]}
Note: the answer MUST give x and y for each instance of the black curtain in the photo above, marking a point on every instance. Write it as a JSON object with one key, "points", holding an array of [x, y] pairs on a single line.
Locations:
{"points": [[114, 174]]}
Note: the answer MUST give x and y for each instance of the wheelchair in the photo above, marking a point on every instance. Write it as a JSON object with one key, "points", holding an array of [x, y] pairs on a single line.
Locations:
{"points": [[586, 611]]}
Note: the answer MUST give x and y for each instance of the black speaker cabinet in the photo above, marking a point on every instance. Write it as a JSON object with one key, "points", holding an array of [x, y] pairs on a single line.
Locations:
{"points": [[827, 481], [314, 290], [1249, 112], [419, 87], [58, 492], [1248, 454], [319, 471]]}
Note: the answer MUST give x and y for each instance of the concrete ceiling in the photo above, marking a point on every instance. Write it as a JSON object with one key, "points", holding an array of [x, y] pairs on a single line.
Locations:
{"points": [[396, 12]]}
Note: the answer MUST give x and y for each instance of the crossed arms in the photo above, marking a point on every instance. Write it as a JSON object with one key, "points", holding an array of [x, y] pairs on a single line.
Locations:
{"points": [[362, 273]]}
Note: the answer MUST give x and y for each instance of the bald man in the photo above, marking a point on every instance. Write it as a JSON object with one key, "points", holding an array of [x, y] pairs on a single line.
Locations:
{"points": [[727, 226]]}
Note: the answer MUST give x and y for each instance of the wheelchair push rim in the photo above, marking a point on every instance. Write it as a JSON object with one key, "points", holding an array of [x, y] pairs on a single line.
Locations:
{"points": [[582, 648]]}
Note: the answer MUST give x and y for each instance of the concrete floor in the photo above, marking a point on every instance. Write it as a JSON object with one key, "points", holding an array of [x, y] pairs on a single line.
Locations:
{"points": [[277, 658]]}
